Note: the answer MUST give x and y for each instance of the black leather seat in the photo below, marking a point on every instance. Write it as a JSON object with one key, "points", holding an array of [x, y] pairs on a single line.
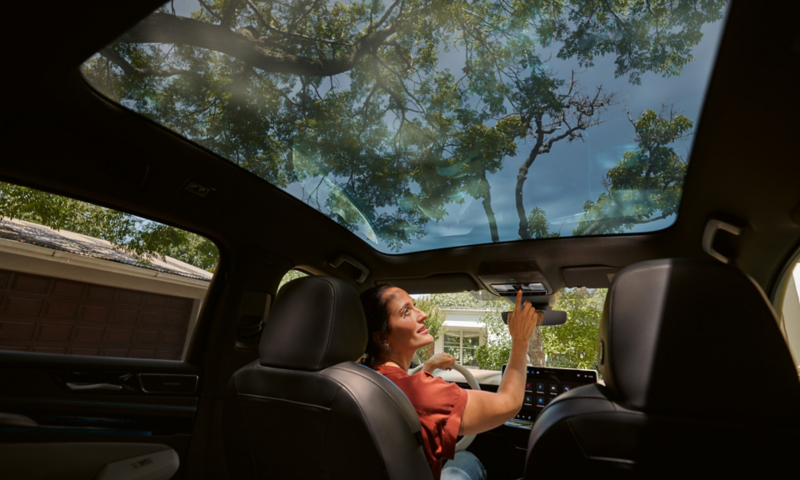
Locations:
{"points": [[305, 410], [699, 381]]}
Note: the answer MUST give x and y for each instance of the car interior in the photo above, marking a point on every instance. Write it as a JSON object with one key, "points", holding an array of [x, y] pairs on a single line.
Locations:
{"points": [[696, 369]]}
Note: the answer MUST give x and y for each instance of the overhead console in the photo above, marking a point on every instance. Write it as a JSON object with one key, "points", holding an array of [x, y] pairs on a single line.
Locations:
{"points": [[507, 277], [511, 289]]}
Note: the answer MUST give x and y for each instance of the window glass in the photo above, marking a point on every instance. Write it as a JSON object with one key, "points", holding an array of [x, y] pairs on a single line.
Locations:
{"points": [[254, 312], [470, 340], [453, 350], [425, 124], [80, 279], [291, 275], [790, 315], [473, 331]]}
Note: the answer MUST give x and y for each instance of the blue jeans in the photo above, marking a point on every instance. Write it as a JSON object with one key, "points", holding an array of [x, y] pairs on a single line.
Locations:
{"points": [[465, 466]]}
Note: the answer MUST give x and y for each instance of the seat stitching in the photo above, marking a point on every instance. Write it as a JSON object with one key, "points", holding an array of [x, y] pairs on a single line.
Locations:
{"points": [[330, 327], [575, 437], [328, 431], [244, 423], [263, 397]]}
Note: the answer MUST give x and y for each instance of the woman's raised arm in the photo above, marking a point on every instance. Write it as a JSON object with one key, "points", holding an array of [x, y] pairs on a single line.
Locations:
{"points": [[487, 410]]}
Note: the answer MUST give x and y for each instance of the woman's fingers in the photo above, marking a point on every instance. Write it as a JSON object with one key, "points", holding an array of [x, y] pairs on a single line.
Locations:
{"points": [[522, 321], [442, 360]]}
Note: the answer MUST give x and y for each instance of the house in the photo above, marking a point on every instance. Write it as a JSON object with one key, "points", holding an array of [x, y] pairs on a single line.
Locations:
{"points": [[462, 332]]}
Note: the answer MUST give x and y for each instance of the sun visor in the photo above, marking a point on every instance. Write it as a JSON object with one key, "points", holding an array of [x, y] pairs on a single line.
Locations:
{"points": [[590, 276]]}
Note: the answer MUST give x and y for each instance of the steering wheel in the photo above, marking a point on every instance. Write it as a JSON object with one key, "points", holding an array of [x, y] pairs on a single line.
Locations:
{"points": [[466, 440]]}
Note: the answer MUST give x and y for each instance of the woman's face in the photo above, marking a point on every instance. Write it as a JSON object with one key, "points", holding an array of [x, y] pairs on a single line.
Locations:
{"points": [[407, 332]]}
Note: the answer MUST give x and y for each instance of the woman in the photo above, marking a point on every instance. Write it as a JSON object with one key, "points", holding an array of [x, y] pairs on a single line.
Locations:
{"points": [[397, 330]]}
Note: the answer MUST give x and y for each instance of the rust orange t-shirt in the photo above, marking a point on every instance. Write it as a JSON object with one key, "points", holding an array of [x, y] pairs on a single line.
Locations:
{"points": [[439, 405]]}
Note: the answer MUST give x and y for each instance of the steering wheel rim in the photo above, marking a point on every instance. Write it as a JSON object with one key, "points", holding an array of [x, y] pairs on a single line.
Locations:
{"points": [[466, 440]]}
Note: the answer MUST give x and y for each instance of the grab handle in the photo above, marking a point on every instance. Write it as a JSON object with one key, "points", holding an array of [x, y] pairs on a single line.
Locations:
{"points": [[363, 270], [711, 231], [94, 386]]}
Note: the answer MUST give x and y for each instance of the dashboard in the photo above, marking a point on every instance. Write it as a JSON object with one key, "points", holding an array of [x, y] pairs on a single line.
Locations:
{"points": [[502, 449], [543, 384]]}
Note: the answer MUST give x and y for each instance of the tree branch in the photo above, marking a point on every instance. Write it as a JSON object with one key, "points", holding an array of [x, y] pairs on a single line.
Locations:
{"points": [[163, 28], [208, 10], [524, 228], [299, 19], [129, 69], [261, 18], [388, 12], [229, 13], [583, 110], [599, 226], [266, 24], [487, 207]]}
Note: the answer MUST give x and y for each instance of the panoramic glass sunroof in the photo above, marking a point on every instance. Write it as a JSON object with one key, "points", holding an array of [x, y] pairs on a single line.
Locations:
{"points": [[424, 124]]}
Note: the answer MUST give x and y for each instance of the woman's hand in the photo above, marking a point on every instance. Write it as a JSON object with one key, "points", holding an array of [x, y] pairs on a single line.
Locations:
{"points": [[440, 360], [522, 322], [487, 410]]}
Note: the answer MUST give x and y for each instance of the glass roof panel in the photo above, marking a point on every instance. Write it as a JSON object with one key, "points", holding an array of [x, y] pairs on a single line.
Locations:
{"points": [[425, 124]]}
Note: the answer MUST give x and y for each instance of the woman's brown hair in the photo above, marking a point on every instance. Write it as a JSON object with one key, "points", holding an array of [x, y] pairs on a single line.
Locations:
{"points": [[377, 316]]}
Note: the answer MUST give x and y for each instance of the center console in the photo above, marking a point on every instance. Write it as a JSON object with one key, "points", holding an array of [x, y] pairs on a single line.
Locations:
{"points": [[542, 385]]}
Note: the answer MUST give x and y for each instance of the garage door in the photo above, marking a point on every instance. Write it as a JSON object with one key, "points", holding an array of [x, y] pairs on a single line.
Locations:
{"points": [[52, 315]]}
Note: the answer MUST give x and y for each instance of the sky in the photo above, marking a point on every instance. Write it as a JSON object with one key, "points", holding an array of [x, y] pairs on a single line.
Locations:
{"points": [[561, 181], [572, 173]]}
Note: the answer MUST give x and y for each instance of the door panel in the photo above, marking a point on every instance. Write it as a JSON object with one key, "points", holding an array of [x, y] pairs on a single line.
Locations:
{"points": [[72, 403], [67, 461]]}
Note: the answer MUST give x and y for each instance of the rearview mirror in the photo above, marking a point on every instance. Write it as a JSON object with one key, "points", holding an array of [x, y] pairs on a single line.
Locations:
{"points": [[551, 317]]}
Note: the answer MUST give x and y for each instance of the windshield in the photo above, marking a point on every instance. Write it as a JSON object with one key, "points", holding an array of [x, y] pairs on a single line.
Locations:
{"points": [[421, 124], [473, 331]]}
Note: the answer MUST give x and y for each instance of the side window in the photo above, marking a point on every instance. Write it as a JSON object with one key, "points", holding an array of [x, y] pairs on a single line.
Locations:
{"points": [[254, 311], [291, 275], [790, 314], [472, 330], [80, 279]]}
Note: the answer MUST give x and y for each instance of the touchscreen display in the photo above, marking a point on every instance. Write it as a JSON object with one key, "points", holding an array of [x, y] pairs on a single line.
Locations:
{"points": [[543, 384]]}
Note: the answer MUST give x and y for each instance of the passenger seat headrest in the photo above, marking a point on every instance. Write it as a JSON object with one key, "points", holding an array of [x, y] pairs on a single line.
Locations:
{"points": [[316, 322], [695, 337]]}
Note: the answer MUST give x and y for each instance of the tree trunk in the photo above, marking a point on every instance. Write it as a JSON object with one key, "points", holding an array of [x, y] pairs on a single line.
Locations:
{"points": [[536, 349], [487, 207], [524, 228]]}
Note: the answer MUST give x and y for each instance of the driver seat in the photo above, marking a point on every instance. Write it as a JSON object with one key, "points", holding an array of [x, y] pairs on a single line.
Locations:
{"points": [[306, 410], [699, 382]]}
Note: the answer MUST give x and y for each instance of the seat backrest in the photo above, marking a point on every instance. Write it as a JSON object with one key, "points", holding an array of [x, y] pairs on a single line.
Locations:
{"points": [[698, 380], [305, 410]]}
